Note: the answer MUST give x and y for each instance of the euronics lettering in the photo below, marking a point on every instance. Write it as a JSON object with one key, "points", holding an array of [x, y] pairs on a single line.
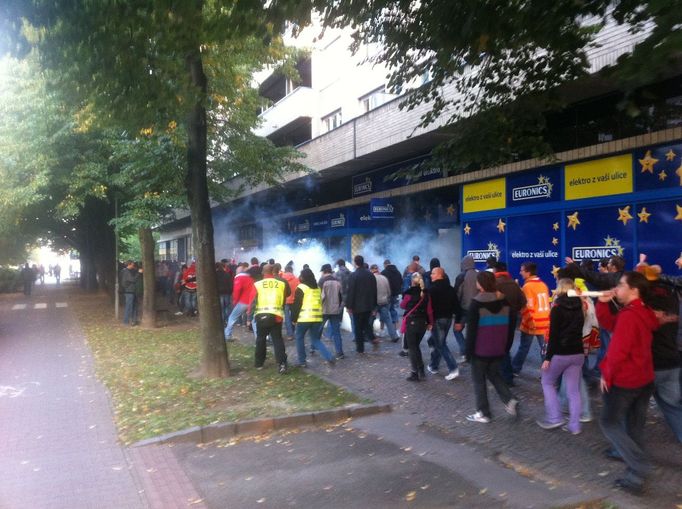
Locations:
{"points": [[595, 252], [531, 192]]}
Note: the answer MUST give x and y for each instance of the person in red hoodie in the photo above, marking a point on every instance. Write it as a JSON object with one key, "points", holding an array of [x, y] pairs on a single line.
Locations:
{"points": [[627, 381], [243, 292]]}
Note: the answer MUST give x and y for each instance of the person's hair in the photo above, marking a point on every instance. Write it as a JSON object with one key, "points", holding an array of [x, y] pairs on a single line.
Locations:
{"points": [[491, 261], [224, 260], [244, 265], [387, 262], [563, 285], [637, 280], [218, 266], [415, 258], [289, 268], [417, 277], [500, 267], [587, 264], [341, 262], [267, 269], [359, 261], [374, 266], [254, 261], [603, 262], [435, 262], [618, 262], [276, 268], [271, 261], [530, 267], [308, 278], [487, 281]]}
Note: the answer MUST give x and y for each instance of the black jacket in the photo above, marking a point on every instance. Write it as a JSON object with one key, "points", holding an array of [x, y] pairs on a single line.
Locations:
{"points": [[442, 299], [395, 279], [362, 291], [598, 280], [566, 321], [224, 282], [664, 346]]}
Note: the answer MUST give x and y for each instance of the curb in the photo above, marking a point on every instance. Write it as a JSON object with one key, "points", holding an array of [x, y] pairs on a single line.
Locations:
{"points": [[211, 432]]}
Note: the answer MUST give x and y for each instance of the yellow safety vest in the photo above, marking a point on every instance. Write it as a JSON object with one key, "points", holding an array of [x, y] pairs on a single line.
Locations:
{"points": [[311, 308], [270, 297]]}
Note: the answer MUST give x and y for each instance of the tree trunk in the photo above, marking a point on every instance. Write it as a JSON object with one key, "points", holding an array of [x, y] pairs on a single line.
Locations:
{"points": [[149, 278], [214, 359]]}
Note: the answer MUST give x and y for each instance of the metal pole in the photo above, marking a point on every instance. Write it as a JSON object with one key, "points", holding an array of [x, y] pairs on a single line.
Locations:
{"points": [[116, 303]]}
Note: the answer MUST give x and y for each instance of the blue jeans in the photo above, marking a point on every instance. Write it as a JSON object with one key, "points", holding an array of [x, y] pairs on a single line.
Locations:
{"points": [[668, 396], [315, 329], [129, 313], [439, 336], [189, 302], [238, 309], [335, 330], [287, 320], [393, 308], [225, 305], [524, 347], [385, 316]]}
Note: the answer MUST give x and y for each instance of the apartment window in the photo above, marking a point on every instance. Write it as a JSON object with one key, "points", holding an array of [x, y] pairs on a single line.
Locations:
{"points": [[332, 121], [374, 99]]}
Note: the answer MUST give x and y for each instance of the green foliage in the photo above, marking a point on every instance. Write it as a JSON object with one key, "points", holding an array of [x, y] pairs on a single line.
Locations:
{"points": [[10, 280], [130, 247]]}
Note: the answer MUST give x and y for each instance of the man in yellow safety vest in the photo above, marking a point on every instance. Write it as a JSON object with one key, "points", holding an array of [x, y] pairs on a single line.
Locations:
{"points": [[269, 315]]}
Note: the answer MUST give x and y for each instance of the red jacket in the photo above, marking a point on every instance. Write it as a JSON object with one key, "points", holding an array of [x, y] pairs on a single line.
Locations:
{"points": [[243, 291], [628, 362]]}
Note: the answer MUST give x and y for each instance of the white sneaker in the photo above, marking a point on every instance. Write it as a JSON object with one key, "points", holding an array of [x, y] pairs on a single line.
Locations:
{"points": [[431, 370], [452, 375], [511, 406], [478, 417]]}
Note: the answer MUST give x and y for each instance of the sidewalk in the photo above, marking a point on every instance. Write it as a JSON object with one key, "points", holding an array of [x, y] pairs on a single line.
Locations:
{"points": [[550, 456], [59, 445]]}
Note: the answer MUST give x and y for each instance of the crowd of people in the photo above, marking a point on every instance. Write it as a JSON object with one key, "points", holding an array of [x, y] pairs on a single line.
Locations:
{"points": [[616, 329], [32, 273]]}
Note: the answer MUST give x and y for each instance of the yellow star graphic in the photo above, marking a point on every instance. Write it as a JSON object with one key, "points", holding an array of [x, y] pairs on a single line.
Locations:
{"points": [[500, 226], [648, 162], [555, 271], [467, 229], [643, 215], [616, 242], [670, 155], [624, 215], [662, 175], [543, 180], [679, 173], [555, 226], [573, 220], [678, 217], [451, 210], [608, 240], [555, 241]]}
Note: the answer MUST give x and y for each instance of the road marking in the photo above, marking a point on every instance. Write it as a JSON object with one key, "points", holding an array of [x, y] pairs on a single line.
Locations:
{"points": [[61, 304], [18, 306], [40, 305]]}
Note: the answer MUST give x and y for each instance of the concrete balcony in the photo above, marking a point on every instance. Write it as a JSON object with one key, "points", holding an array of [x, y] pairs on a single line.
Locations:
{"points": [[301, 103]]}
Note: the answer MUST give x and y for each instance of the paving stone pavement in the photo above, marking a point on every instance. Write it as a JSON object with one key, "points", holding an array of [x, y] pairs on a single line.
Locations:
{"points": [[442, 406], [58, 443]]}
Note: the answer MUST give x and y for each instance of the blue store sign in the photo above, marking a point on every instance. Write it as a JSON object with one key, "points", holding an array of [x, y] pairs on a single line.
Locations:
{"points": [[381, 208], [421, 170], [534, 187]]}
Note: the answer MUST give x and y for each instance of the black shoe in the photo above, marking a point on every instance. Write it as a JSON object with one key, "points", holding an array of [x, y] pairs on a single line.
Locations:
{"points": [[629, 486], [396, 339], [613, 455], [340, 356], [422, 374], [402, 353], [413, 377], [282, 368]]}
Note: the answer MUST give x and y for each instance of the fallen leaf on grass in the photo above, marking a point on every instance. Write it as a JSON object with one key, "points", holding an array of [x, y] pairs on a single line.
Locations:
{"points": [[411, 496]]}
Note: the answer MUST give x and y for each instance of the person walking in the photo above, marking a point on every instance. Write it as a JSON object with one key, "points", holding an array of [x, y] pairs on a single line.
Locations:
{"points": [[517, 301], [534, 317], [564, 358], [332, 307], [57, 271], [465, 291], [443, 305], [418, 318], [224, 281], [292, 282], [361, 301], [128, 278], [243, 292], [627, 376], [395, 279], [487, 339], [268, 312], [28, 277], [306, 314], [384, 303]]}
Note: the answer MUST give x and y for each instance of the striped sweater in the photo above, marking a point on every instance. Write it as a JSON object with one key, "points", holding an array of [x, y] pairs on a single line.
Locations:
{"points": [[488, 332]]}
